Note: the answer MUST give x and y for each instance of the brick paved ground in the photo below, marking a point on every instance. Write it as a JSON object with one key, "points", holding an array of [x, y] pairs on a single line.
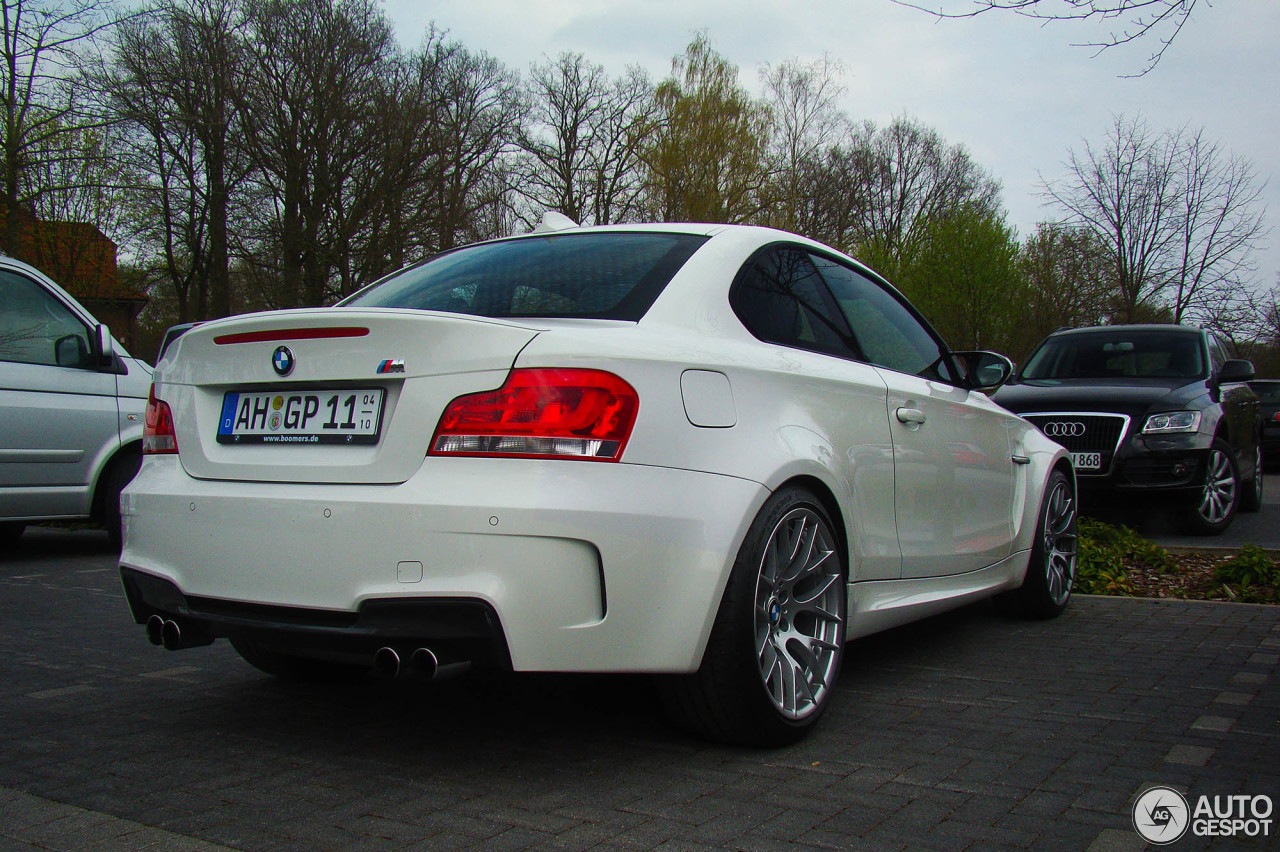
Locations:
{"points": [[969, 731]]}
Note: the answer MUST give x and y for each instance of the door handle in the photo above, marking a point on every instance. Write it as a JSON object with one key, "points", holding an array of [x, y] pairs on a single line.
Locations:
{"points": [[913, 417]]}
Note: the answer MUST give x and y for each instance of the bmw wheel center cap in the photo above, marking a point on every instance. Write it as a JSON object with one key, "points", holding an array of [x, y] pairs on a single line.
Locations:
{"points": [[282, 361]]}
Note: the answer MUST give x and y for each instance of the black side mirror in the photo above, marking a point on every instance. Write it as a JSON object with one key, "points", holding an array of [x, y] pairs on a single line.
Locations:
{"points": [[984, 371], [71, 351], [1236, 370]]}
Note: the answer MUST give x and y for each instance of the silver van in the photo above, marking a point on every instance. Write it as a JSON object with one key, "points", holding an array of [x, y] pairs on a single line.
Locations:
{"points": [[72, 403]]}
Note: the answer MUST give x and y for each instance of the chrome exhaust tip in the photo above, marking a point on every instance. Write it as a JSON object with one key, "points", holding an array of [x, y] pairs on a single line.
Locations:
{"points": [[386, 663], [171, 636], [155, 630], [424, 664]]}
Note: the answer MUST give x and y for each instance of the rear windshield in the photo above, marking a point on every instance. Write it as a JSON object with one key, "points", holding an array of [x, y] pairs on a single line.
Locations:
{"points": [[598, 276], [1119, 355]]}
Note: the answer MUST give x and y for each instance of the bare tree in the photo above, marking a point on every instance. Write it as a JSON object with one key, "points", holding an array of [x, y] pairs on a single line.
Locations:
{"points": [[314, 81], [878, 192], [1161, 20], [174, 80], [802, 100], [1125, 194], [582, 142], [44, 110], [1218, 225], [1179, 217]]}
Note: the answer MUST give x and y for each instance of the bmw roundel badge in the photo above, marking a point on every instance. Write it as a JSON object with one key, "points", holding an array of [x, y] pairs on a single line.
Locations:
{"points": [[282, 361]]}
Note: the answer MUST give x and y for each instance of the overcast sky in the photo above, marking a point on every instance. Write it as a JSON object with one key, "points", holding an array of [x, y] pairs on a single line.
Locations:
{"points": [[1014, 92]]}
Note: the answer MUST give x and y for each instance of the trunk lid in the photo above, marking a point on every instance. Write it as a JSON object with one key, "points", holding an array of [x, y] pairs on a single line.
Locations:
{"points": [[328, 395]]}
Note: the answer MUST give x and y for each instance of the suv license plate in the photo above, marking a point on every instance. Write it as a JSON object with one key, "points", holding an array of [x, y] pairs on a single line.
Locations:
{"points": [[1087, 461], [335, 416]]}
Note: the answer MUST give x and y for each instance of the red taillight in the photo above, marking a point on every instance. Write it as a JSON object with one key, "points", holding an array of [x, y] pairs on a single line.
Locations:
{"points": [[158, 435], [542, 413]]}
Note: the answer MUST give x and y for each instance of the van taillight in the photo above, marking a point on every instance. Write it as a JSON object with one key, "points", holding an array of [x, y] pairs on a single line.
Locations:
{"points": [[542, 413], [158, 435]]}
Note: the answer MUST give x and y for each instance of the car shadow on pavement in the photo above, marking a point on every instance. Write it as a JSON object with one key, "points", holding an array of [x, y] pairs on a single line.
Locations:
{"points": [[57, 542], [473, 721]]}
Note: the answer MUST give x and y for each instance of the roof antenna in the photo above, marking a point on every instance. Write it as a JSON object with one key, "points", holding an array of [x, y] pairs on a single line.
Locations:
{"points": [[553, 221]]}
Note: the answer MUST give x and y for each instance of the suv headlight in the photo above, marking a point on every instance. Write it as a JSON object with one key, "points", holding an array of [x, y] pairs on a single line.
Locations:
{"points": [[1172, 421]]}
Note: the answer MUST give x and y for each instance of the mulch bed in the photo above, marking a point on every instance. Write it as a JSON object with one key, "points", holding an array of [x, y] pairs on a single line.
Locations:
{"points": [[1193, 578]]}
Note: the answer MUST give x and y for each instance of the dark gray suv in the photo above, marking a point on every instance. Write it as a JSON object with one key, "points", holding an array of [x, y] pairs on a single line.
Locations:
{"points": [[1152, 412]]}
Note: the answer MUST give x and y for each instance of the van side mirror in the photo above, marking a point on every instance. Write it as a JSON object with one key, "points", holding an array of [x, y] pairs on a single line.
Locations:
{"points": [[104, 357]]}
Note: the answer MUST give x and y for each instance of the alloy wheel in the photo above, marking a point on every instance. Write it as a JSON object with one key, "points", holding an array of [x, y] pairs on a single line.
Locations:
{"points": [[1220, 488], [799, 613], [1060, 542]]}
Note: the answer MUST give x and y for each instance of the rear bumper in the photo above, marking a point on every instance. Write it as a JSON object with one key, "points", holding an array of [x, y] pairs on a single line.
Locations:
{"points": [[455, 630], [576, 566]]}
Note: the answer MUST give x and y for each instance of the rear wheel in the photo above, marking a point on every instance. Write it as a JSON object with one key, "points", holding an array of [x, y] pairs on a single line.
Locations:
{"points": [[771, 663], [1051, 569], [293, 667], [121, 473], [1219, 497]]}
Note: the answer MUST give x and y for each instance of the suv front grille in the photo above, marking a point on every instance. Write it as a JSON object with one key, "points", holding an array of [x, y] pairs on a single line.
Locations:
{"points": [[1084, 433]]}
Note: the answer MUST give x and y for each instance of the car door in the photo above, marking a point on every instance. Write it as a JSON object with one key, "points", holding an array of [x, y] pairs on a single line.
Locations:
{"points": [[58, 413], [835, 400], [953, 469]]}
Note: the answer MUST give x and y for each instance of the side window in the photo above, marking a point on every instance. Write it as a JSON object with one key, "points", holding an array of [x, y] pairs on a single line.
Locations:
{"points": [[1217, 354], [886, 331], [781, 298], [36, 328]]}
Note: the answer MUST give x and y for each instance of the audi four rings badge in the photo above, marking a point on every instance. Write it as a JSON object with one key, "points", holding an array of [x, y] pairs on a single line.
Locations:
{"points": [[1064, 429]]}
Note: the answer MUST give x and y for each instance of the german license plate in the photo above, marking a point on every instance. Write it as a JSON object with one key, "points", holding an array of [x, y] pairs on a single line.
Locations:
{"points": [[346, 416], [1087, 461]]}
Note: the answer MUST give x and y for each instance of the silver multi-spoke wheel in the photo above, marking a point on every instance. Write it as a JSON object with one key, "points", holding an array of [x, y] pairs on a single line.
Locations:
{"points": [[1051, 564], [799, 613], [1060, 542], [1221, 488], [770, 666]]}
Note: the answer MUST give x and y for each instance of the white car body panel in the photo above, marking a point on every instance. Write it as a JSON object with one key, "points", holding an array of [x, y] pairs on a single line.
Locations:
{"points": [[590, 566]]}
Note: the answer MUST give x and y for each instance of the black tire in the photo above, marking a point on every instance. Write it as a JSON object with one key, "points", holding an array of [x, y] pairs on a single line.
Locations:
{"points": [[1051, 567], [295, 668], [1251, 489], [119, 475], [774, 654], [1219, 497]]}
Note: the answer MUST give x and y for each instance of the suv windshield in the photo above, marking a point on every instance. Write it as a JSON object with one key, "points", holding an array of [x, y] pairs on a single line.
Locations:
{"points": [[600, 276], [1126, 354]]}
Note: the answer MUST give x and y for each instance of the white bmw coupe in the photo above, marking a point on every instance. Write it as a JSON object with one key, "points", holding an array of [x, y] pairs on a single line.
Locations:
{"points": [[712, 453]]}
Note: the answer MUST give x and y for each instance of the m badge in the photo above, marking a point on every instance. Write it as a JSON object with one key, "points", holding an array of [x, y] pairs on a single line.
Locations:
{"points": [[393, 365]]}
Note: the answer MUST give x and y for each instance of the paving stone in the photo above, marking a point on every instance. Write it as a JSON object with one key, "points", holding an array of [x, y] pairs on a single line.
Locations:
{"points": [[969, 731]]}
